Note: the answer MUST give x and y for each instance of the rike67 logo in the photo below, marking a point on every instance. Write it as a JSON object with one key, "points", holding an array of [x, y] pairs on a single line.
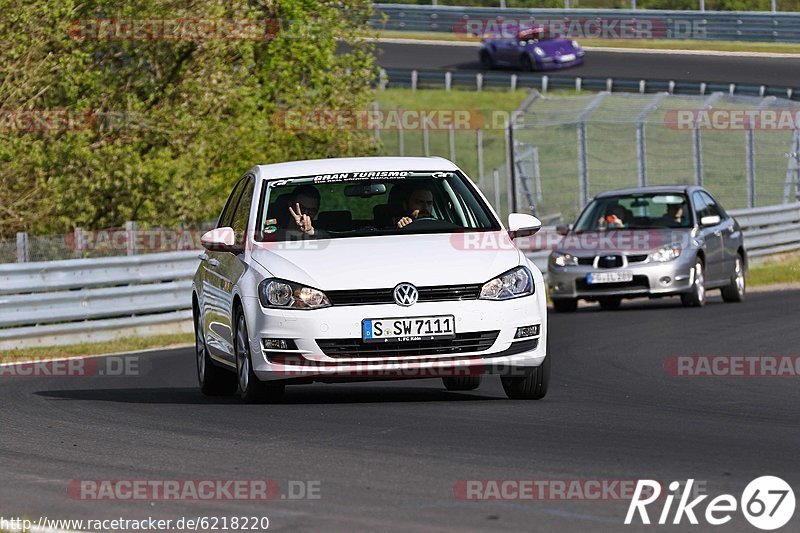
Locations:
{"points": [[767, 503]]}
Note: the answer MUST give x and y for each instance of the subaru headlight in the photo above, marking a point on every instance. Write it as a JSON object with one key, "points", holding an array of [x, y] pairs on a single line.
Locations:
{"points": [[281, 294], [666, 253], [563, 259], [538, 51], [515, 283]]}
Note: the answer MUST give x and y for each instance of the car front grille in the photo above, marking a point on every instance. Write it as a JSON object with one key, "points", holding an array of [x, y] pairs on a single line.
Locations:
{"points": [[462, 343], [386, 296]]}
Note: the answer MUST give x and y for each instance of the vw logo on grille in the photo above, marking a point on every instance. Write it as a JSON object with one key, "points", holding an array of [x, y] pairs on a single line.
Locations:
{"points": [[405, 294], [610, 258]]}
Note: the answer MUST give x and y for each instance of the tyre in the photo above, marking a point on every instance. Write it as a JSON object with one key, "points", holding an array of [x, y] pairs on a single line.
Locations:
{"points": [[531, 387], [696, 297], [461, 383], [526, 64], [251, 389], [735, 291], [565, 305], [610, 303], [213, 380], [487, 63]]}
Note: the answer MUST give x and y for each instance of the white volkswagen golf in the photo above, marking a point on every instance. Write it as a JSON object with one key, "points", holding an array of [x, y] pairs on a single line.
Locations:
{"points": [[366, 269]]}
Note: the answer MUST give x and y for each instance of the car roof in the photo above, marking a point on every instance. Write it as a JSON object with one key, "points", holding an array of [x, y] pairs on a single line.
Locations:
{"points": [[311, 167], [683, 189]]}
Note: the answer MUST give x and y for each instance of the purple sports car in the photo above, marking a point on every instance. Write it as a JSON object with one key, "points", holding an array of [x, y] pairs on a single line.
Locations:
{"points": [[532, 49]]}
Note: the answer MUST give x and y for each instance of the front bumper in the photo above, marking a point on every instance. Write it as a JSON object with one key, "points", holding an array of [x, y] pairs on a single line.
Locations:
{"points": [[650, 279], [307, 360], [551, 64]]}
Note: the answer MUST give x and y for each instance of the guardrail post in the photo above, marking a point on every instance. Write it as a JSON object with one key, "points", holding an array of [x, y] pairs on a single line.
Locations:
{"points": [[545, 82], [642, 86], [383, 79], [23, 247], [79, 239], [479, 143], [578, 84], [609, 84], [479, 81], [702, 5], [414, 75], [130, 235], [448, 80], [513, 82]]}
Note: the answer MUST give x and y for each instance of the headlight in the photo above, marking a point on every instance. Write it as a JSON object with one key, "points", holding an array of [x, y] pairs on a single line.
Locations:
{"points": [[513, 284], [277, 293], [562, 259], [538, 51], [575, 45], [666, 253]]}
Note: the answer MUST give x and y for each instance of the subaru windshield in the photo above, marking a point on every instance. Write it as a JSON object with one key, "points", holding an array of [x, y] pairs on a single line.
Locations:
{"points": [[636, 211], [351, 204]]}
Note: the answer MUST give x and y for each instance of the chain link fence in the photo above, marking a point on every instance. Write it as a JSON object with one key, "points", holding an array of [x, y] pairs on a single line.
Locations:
{"points": [[569, 148]]}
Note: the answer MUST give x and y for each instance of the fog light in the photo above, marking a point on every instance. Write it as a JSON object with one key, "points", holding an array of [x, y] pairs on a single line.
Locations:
{"points": [[275, 344], [527, 331], [665, 280]]}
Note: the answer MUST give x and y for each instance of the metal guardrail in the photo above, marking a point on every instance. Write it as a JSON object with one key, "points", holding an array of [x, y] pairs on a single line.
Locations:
{"points": [[53, 303], [92, 300], [770, 230], [609, 23], [414, 78]]}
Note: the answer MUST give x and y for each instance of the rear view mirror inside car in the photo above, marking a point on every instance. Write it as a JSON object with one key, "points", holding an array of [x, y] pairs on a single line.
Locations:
{"points": [[365, 191]]}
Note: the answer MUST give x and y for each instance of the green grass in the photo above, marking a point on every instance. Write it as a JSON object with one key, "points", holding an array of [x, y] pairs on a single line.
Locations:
{"points": [[126, 344], [775, 272], [645, 44]]}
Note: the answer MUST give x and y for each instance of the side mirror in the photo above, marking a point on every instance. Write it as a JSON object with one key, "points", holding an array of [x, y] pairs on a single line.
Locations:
{"points": [[220, 240], [712, 220], [562, 230], [521, 225]]}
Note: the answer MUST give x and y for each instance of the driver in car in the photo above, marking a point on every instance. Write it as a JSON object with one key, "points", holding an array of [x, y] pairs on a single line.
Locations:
{"points": [[304, 206], [419, 204]]}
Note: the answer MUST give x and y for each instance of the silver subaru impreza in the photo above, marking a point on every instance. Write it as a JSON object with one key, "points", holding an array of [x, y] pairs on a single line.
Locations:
{"points": [[648, 242]]}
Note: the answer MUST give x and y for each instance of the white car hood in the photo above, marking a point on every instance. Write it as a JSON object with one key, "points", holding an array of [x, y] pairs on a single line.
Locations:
{"points": [[384, 261]]}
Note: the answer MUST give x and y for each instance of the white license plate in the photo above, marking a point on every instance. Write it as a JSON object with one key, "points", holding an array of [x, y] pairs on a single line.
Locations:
{"points": [[608, 277], [567, 58], [421, 328]]}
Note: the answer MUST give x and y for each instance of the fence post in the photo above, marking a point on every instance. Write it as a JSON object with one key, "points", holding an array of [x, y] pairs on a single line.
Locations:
{"points": [[79, 239], [641, 137], [376, 121], [23, 247], [426, 145], [401, 144], [749, 158], [510, 170], [130, 236], [793, 169], [697, 141], [537, 176], [496, 176], [382, 80], [583, 163], [702, 5], [452, 132], [479, 141]]}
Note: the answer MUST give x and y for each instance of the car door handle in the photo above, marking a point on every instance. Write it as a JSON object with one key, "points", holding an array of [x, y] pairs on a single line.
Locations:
{"points": [[210, 260]]}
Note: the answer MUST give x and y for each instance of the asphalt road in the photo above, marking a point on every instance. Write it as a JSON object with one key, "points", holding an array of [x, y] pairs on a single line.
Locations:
{"points": [[726, 69], [387, 456]]}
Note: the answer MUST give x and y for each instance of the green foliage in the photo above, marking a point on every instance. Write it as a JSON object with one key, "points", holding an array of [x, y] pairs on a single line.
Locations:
{"points": [[173, 123]]}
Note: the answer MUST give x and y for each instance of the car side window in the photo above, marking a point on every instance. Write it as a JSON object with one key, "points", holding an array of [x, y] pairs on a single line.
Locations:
{"points": [[225, 219], [242, 214], [712, 208]]}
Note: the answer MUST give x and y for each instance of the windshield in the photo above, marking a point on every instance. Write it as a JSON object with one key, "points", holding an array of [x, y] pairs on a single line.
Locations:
{"points": [[636, 211], [354, 204]]}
